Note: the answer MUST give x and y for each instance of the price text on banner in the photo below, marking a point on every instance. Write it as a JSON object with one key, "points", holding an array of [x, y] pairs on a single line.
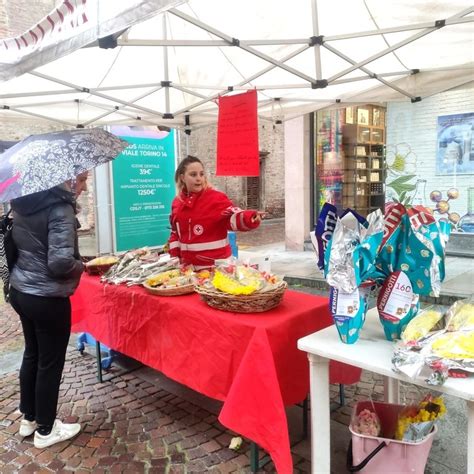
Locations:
{"points": [[143, 190]]}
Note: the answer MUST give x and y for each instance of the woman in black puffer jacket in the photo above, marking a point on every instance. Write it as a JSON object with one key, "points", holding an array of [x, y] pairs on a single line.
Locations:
{"points": [[45, 275]]}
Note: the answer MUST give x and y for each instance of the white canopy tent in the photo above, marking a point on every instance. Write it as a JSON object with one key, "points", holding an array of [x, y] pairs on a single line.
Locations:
{"points": [[165, 62]]}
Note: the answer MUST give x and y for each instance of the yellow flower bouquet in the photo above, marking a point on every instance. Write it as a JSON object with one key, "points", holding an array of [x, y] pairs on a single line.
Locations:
{"points": [[416, 421]]}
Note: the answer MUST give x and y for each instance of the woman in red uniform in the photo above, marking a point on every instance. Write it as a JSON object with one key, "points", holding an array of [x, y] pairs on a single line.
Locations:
{"points": [[201, 216]]}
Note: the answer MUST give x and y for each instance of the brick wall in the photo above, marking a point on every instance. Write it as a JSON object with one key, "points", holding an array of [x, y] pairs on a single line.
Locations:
{"points": [[202, 143], [413, 128]]}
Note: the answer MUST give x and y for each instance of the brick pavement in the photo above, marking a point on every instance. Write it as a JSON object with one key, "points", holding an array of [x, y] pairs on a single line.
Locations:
{"points": [[271, 231], [130, 424]]}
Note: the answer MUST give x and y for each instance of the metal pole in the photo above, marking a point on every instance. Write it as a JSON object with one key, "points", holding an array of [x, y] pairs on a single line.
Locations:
{"points": [[98, 94], [317, 48], [165, 65], [237, 43]]}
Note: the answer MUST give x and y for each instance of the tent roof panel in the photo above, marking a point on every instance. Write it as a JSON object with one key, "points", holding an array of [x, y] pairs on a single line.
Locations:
{"points": [[274, 55]]}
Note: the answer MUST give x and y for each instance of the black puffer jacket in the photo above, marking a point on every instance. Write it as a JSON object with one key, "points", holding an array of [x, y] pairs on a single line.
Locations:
{"points": [[45, 232]]}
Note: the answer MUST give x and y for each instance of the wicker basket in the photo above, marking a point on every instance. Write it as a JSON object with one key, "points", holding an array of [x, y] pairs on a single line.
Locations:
{"points": [[98, 269], [255, 303], [171, 291]]}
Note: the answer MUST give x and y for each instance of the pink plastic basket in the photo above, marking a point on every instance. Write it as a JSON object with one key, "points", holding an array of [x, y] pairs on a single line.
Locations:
{"points": [[372, 454]]}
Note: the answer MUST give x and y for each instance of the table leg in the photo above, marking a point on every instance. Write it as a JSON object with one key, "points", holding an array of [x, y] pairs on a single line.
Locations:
{"points": [[341, 395], [305, 418], [320, 416], [98, 356], [254, 463], [391, 390], [470, 437]]}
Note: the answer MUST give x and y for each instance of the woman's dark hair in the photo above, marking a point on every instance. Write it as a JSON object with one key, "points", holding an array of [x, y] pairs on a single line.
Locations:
{"points": [[181, 169]]}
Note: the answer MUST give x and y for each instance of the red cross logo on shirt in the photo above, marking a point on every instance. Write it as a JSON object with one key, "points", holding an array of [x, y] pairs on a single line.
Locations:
{"points": [[198, 229]]}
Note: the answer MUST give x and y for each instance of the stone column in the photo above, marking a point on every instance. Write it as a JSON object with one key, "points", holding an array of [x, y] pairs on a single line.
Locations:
{"points": [[297, 183]]}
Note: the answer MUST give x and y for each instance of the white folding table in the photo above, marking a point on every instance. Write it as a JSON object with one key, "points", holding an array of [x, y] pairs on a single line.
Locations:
{"points": [[371, 352]]}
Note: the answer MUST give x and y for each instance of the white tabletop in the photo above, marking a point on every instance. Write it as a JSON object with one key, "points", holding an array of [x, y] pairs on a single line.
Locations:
{"points": [[374, 353]]}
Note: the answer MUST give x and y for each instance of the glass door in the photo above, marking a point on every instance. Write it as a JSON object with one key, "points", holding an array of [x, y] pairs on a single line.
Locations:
{"points": [[329, 170]]}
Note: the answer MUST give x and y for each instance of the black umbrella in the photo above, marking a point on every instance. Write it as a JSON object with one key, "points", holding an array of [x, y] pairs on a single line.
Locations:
{"points": [[40, 162]]}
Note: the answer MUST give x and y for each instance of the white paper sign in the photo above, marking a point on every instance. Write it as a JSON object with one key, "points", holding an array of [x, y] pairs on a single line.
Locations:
{"points": [[397, 298], [347, 304]]}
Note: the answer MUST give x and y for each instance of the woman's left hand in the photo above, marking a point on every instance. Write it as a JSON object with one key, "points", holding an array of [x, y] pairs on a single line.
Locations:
{"points": [[258, 217]]}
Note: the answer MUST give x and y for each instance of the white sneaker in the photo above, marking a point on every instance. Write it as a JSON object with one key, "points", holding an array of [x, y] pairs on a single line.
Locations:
{"points": [[27, 428], [60, 432]]}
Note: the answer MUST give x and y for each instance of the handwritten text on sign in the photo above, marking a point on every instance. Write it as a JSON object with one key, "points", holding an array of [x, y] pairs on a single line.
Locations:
{"points": [[237, 136]]}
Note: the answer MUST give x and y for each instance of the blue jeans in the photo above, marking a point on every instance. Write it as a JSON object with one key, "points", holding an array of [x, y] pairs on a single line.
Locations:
{"points": [[46, 323]]}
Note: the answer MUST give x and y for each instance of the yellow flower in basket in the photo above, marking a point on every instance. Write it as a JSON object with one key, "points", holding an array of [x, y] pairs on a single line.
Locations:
{"points": [[233, 287]]}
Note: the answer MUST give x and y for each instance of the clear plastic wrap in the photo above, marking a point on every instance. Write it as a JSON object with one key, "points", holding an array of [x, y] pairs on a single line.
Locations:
{"points": [[436, 356], [351, 253], [367, 423], [235, 278], [416, 421], [460, 316], [424, 322]]}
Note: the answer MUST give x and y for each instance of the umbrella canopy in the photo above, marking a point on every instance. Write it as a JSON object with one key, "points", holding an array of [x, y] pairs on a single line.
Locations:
{"points": [[170, 68], [40, 162]]}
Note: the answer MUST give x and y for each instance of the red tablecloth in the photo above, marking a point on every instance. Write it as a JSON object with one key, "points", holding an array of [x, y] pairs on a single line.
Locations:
{"points": [[249, 361]]}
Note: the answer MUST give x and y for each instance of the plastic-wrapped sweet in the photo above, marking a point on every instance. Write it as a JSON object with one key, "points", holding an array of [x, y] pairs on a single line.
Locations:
{"points": [[394, 227], [350, 254], [367, 423], [424, 246], [236, 279], [454, 345], [324, 228], [422, 324], [419, 364], [163, 277], [460, 316], [414, 242], [229, 284], [104, 260]]}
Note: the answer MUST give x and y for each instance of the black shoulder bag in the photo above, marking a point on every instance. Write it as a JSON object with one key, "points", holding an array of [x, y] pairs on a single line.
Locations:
{"points": [[8, 251]]}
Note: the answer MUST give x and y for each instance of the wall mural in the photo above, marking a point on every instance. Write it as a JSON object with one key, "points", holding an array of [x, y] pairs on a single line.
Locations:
{"points": [[406, 186], [442, 205], [401, 174], [455, 153]]}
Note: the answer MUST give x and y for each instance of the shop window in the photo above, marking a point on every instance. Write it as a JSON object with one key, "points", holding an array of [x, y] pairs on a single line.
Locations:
{"points": [[350, 158], [435, 170]]}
